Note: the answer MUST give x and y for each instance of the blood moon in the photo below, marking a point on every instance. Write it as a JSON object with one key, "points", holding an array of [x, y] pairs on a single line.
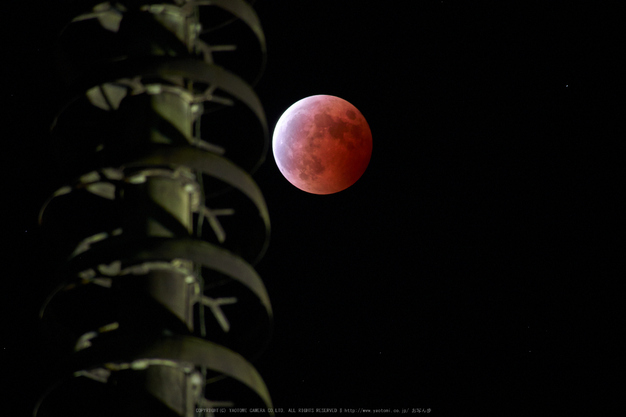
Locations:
{"points": [[322, 144]]}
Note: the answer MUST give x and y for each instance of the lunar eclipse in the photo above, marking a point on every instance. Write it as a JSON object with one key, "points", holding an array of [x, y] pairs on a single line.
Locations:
{"points": [[322, 144]]}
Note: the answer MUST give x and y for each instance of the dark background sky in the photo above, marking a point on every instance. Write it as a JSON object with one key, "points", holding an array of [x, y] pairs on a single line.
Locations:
{"points": [[470, 267]]}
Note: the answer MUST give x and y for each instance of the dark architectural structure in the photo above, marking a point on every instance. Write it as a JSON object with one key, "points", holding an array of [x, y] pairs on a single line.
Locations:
{"points": [[158, 310]]}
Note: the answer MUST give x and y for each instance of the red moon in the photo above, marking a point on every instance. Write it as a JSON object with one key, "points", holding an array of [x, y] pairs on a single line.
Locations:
{"points": [[322, 144]]}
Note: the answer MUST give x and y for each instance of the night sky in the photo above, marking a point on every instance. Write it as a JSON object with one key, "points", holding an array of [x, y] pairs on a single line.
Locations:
{"points": [[469, 270]]}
